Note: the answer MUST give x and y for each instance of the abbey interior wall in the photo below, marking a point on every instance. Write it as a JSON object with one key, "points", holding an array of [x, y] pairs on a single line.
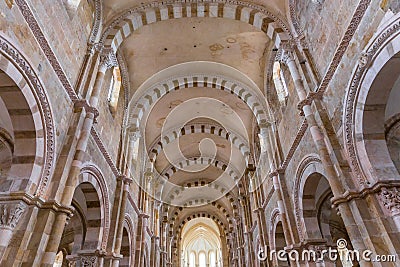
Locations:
{"points": [[324, 25]]}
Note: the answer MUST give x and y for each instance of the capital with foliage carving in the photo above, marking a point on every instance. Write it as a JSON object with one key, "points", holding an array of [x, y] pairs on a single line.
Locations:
{"points": [[108, 59], [390, 198], [10, 214]]}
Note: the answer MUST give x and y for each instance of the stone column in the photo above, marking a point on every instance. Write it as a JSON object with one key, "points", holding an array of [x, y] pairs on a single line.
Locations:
{"points": [[155, 251], [323, 151], [261, 222], [141, 228], [10, 214], [240, 242], [282, 211], [248, 230], [107, 60], [120, 227]]}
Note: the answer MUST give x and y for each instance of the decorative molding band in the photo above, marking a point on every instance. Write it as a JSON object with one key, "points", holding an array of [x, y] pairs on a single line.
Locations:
{"points": [[44, 45], [97, 22], [344, 44], [38, 202], [381, 188], [83, 104], [13, 54], [294, 18], [133, 204], [311, 96], [299, 136], [104, 151]]}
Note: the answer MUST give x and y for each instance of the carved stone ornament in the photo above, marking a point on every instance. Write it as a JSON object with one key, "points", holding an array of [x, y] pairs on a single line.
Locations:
{"points": [[287, 56], [390, 198], [10, 214], [364, 60], [108, 59], [88, 261]]}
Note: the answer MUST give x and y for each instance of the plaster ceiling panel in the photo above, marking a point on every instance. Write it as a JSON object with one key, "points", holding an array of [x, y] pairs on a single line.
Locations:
{"points": [[155, 47]]}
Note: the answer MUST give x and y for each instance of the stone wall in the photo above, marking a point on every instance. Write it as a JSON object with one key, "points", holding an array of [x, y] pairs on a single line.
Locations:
{"points": [[324, 24]]}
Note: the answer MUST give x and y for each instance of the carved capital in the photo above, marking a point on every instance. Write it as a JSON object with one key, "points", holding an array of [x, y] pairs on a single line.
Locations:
{"points": [[95, 47], [10, 214], [89, 261], [108, 59], [390, 198], [287, 56]]}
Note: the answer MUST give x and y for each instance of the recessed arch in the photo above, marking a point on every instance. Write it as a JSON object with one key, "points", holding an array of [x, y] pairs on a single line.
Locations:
{"points": [[91, 174], [200, 236], [130, 228], [358, 129], [195, 214], [310, 164], [32, 123]]}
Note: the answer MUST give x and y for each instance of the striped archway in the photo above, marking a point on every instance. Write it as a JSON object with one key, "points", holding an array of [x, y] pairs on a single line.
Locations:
{"points": [[133, 19], [218, 208], [127, 246], [97, 194], [32, 127], [203, 161], [253, 100], [194, 128]]}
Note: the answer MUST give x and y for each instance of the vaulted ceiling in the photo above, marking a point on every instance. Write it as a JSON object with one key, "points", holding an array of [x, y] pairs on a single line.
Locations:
{"points": [[200, 135]]}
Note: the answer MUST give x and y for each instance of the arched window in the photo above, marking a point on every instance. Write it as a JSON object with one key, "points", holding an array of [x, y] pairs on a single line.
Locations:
{"points": [[279, 82], [212, 259], [192, 260], [59, 259], [115, 87], [202, 260]]}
